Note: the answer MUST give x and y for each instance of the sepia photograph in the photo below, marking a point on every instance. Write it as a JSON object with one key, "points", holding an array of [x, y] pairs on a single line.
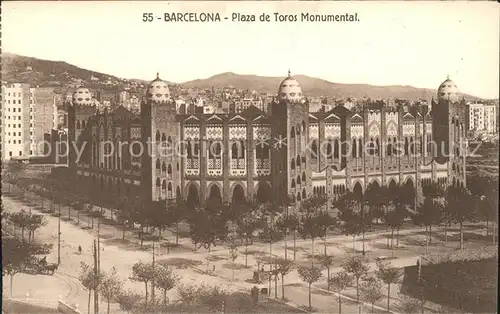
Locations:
{"points": [[249, 157]]}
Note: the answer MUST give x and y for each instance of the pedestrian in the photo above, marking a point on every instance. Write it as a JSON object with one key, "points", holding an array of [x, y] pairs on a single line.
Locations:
{"points": [[80, 249]]}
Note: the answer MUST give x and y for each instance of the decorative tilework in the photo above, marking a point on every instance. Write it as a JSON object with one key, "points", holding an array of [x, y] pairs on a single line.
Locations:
{"points": [[191, 132], [391, 117], [313, 131], [214, 132], [373, 117], [332, 130], [135, 133], [261, 132], [392, 130], [374, 130], [357, 131], [408, 129], [237, 132]]}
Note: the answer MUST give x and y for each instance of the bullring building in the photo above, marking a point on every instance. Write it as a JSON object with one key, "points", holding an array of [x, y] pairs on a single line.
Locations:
{"points": [[166, 154]]}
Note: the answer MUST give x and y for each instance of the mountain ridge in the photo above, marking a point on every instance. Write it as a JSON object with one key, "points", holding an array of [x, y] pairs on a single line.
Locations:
{"points": [[40, 72]]}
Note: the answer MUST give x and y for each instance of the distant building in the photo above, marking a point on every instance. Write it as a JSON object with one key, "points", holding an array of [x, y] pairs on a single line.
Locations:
{"points": [[27, 114], [481, 118]]}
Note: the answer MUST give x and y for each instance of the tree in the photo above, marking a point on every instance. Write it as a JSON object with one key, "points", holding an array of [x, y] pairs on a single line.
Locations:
{"points": [[110, 286], [340, 281], [207, 227], [143, 272], [34, 222], [245, 227], [176, 213], [284, 267], [371, 291], [214, 297], [78, 206], [89, 209], [427, 214], [125, 214], [233, 255], [165, 280], [327, 262], [21, 219], [358, 268], [128, 300], [458, 204], [310, 276], [292, 223], [433, 192], [88, 279], [15, 254], [408, 305], [313, 223], [389, 275], [351, 222]]}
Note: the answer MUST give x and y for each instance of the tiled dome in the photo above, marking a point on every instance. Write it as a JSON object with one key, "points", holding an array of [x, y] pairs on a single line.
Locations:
{"points": [[290, 90], [448, 90], [82, 97], [158, 91]]}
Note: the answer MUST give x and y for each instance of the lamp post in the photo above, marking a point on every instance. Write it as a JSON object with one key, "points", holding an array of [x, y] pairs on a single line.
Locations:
{"points": [[59, 235]]}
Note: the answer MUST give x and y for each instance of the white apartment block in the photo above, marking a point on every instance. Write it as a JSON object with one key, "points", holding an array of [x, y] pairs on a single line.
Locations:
{"points": [[27, 114], [482, 118]]}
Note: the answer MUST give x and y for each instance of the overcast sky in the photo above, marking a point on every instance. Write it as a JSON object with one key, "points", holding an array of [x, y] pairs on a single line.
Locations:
{"points": [[394, 43]]}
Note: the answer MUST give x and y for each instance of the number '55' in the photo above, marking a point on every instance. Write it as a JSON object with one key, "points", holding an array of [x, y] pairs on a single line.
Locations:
{"points": [[147, 17]]}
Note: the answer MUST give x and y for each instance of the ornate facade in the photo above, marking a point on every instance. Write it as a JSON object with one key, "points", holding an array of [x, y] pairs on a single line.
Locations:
{"points": [[266, 156]]}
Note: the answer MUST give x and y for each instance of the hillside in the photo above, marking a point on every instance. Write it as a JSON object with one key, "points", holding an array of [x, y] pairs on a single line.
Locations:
{"points": [[315, 87], [37, 72], [16, 68]]}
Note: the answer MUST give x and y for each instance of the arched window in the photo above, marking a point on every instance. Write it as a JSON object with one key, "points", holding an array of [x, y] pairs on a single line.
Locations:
{"points": [[234, 151], [298, 196], [298, 160], [293, 164], [304, 195], [336, 149], [157, 164], [77, 124], [406, 146], [83, 124], [158, 183], [303, 177], [303, 126], [412, 146], [298, 180], [242, 149], [360, 147], [303, 159], [292, 132], [389, 147], [377, 147], [293, 183], [169, 170], [163, 167], [189, 150], [314, 148], [169, 142], [354, 150], [157, 136], [329, 153], [169, 191], [163, 138]]}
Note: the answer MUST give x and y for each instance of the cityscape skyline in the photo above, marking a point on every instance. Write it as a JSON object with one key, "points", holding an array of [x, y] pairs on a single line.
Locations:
{"points": [[396, 47]]}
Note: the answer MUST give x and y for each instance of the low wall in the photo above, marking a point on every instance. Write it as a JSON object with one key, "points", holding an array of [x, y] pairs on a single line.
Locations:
{"points": [[63, 307]]}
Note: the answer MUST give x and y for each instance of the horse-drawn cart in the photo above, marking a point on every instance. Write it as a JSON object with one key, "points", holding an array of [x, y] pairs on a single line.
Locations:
{"points": [[40, 266]]}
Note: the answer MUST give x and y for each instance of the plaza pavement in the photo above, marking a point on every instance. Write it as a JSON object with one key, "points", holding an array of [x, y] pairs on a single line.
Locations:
{"points": [[123, 254]]}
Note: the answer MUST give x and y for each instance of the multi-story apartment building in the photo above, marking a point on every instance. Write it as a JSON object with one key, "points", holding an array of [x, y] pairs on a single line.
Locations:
{"points": [[482, 118], [254, 155], [27, 114]]}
